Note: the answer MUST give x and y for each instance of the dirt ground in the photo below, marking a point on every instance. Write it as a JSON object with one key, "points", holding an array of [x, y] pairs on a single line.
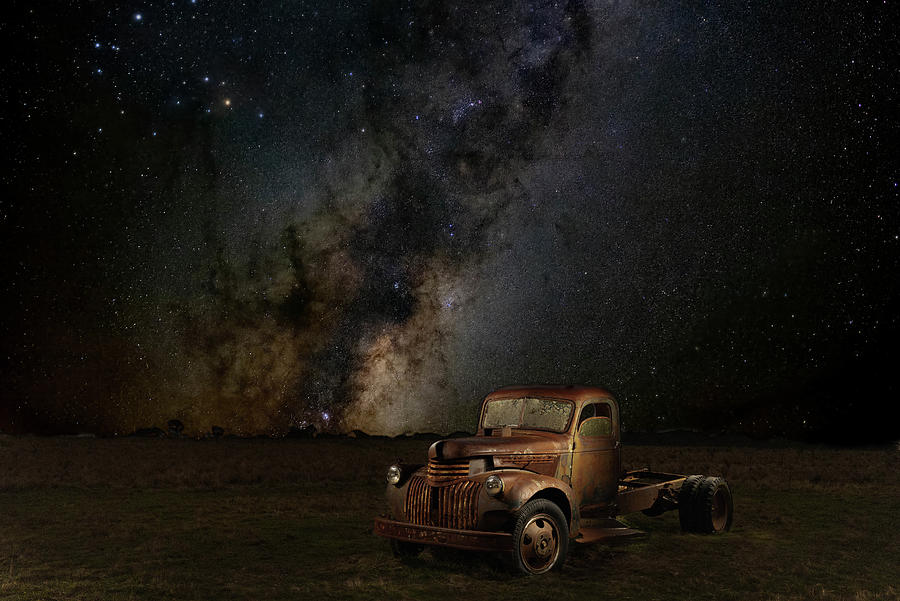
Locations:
{"points": [[291, 519]]}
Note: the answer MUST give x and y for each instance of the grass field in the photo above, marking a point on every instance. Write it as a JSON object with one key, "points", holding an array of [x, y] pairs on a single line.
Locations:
{"points": [[291, 519]]}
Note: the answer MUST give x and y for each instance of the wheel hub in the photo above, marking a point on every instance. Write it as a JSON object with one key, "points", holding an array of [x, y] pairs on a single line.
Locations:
{"points": [[544, 546], [539, 544]]}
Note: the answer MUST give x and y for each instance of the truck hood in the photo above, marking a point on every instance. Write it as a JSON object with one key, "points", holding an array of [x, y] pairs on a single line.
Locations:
{"points": [[479, 446]]}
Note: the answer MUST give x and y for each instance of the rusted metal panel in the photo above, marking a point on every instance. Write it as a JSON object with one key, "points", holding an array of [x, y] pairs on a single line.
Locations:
{"points": [[641, 490], [443, 471], [471, 540], [606, 530], [521, 443], [595, 458], [450, 506], [594, 478], [539, 464], [573, 393], [637, 499], [418, 500], [520, 486], [595, 465]]}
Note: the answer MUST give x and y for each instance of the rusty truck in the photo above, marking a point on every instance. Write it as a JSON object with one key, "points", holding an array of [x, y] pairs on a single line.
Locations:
{"points": [[544, 469]]}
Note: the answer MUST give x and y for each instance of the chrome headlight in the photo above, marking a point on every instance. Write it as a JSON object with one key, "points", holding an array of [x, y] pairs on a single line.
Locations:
{"points": [[393, 474], [493, 485]]}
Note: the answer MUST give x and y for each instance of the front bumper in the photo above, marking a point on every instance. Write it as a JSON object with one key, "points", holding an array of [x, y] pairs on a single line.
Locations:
{"points": [[470, 540]]}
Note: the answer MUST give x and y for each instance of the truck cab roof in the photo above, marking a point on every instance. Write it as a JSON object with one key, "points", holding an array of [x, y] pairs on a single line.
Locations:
{"points": [[571, 392]]}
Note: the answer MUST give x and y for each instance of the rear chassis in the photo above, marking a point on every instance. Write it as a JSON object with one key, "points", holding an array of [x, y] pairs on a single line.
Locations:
{"points": [[644, 490]]}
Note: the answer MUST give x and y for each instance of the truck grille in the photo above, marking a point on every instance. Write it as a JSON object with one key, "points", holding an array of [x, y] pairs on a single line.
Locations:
{"points": [[445, 472], [451, 506]]}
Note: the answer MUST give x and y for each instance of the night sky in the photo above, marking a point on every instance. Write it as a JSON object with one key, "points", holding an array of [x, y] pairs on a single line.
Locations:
{"points": [[368, 215]]}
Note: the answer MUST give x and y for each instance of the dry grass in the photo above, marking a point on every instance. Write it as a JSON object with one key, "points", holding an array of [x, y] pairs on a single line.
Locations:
{"points": [[184, 463], [291, 519]]}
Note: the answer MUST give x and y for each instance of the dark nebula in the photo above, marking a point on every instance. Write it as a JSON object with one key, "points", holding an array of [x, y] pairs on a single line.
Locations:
{"points": [[367, 216]]}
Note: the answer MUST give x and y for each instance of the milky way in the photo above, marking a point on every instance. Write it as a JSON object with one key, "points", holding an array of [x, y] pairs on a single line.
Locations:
{"points": [[368, 216]]}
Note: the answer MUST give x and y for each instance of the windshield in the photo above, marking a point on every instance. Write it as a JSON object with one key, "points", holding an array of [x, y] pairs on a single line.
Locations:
{"points": [[541, 414]]}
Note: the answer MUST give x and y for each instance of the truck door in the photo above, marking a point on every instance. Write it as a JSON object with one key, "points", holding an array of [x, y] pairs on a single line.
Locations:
{"points": [[595, 456]]}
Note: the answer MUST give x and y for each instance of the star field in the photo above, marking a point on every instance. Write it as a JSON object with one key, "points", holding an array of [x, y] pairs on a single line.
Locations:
{"points": [[367, 216]]}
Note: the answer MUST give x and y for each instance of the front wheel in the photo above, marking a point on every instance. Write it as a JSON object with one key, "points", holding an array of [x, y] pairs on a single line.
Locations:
{"points": [[540, 538]]}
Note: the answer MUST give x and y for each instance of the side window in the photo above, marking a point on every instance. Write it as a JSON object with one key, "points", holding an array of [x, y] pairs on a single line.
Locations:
{"points": [[595, 420]]}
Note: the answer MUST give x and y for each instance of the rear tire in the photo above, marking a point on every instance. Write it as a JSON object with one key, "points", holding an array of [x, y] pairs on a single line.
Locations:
{"points": [[714, 506], [540, 538], [687, 501]]}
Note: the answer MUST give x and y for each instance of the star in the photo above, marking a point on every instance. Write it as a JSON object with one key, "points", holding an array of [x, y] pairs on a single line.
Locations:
{"points": [[608, 227]]}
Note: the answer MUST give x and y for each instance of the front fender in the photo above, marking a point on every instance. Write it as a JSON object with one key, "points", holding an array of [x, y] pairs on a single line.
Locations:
{"points": [[396, 493], [520, 486]]}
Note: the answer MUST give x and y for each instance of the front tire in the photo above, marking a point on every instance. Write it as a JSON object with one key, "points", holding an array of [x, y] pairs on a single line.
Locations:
{"points": [[540, 538]]}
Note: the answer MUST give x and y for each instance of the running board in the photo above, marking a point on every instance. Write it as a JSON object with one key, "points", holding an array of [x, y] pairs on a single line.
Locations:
{"points": [[607, 530]]}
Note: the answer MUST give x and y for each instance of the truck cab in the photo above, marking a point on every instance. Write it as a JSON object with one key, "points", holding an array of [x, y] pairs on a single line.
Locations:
{"points": [[543, 468]]}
